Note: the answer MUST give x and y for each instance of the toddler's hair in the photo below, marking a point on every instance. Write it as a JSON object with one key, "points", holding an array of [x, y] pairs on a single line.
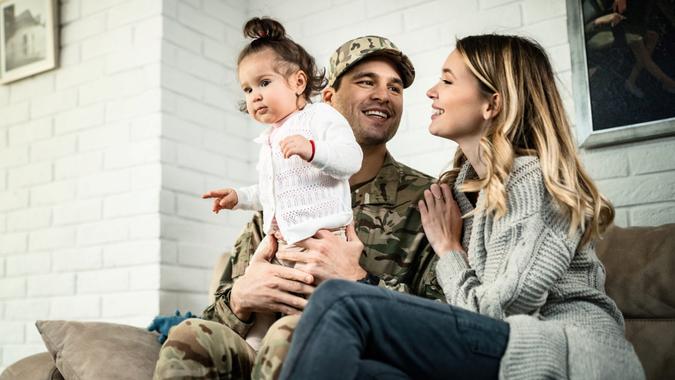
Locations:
{"points": [[270, 34]]}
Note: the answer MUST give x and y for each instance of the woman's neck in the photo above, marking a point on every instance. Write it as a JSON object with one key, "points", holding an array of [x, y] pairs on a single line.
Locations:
{"points": [[471, 149]]}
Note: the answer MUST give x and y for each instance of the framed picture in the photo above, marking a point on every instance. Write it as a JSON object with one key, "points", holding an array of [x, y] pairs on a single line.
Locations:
{"points": [[28, 38], [623, 70]]}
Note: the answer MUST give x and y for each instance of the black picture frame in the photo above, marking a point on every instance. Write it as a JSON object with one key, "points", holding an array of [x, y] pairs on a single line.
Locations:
{"points": [[606, 111]]}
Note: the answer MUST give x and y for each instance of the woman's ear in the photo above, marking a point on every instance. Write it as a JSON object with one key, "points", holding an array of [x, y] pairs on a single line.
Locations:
{"points": [[493, 106]]}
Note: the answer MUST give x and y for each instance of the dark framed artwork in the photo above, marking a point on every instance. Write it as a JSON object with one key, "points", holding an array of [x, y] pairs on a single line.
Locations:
{"points": [[28, 38], [623, 69]]}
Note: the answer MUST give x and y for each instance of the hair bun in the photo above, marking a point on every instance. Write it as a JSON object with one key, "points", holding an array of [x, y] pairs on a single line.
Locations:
{"points": [[264, 27]]}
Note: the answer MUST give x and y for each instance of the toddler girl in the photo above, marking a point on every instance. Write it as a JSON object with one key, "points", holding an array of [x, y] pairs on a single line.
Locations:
{"points": [[307, 153]]}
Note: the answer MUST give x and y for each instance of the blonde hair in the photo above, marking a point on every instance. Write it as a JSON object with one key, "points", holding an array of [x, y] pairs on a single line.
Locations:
{"points": [[531, 121]]}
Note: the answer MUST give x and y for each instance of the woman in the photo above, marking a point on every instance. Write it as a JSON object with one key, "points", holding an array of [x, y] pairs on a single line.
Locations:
{"points": [[513, 224]]}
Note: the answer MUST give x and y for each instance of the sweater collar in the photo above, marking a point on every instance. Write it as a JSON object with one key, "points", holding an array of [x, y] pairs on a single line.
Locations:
{"points": [[466, 172], [263, 137]]}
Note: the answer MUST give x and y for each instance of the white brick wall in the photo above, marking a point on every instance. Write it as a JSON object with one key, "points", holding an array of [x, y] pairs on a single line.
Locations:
{"points": [[102, 161], [79, 175], [199, 98]]}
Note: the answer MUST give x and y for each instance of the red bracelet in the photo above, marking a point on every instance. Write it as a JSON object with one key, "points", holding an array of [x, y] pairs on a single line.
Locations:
{"points": [[313, 150]]}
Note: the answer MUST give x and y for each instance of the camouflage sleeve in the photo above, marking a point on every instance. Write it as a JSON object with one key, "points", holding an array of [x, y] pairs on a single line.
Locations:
{"points": [[424, 283], [244, 248]]}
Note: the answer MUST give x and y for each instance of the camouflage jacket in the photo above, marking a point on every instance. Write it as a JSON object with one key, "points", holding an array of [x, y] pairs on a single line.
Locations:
{"points": [[388, 223]]}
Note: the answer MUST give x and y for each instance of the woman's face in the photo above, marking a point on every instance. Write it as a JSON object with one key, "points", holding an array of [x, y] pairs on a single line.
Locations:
{"points": [[458, 103]]}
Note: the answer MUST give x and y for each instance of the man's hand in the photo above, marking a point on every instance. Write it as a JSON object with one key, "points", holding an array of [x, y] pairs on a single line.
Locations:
{"points": [[163, 323], [329, 257], [266, 287], [296, 145], [222, 199]]}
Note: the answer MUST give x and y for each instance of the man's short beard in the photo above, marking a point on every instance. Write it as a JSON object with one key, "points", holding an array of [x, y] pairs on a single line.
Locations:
{"points": [[368, 140]]}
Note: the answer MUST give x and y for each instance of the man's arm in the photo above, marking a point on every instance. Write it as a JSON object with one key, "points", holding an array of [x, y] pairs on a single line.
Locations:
{"points": [[424, 282], [245, 246], [250, 283]]}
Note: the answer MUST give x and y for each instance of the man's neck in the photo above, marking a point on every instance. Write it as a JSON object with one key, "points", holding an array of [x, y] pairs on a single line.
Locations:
{"points": [[373, 159]]}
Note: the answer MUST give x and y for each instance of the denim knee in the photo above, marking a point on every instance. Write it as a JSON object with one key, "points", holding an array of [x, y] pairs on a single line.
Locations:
{"points": [[332, 290]]}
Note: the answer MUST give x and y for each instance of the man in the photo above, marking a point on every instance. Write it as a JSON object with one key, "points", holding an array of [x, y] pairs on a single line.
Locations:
{"points": [[366, 78]]}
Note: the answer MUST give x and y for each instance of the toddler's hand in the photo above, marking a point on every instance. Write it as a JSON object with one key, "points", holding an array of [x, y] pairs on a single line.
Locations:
{"points": [[296, 145], [223, 199]]}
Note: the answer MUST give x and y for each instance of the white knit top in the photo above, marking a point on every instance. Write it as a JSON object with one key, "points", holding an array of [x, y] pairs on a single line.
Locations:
{"points": [[524, 268], [303, 196]]}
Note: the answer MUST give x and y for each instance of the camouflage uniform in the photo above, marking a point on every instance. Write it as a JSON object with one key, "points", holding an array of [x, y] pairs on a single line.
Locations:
{"points": [[387, 222]]}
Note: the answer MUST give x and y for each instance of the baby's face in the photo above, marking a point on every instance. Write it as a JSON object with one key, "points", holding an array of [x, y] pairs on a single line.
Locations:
{"points": [[269, 96]]}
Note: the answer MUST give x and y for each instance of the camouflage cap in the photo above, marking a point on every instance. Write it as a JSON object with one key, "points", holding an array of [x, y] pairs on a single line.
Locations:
{"points": [[353, 51]]}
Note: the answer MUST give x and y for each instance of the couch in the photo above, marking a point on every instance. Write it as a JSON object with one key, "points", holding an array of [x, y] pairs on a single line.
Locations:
{"points": [[640, 266]]}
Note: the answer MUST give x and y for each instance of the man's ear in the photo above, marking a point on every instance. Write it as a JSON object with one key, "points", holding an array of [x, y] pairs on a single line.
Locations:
{"points": [[327, 95], [493, 106]]}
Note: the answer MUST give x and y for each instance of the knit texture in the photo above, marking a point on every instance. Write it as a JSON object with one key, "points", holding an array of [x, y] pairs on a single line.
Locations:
{"points": [[525, 269], [304, 196]]}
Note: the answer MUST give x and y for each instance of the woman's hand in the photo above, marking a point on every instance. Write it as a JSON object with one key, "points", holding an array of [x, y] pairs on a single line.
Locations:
{"points": [[613, 19], [441, 219]]}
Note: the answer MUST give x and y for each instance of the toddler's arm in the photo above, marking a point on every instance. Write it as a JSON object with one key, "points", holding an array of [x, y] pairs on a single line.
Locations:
{"points": [[245, 198], [336, 151]]}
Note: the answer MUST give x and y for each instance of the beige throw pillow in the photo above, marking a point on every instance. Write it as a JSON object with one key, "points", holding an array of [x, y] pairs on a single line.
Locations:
{"points": [[98, 350]]}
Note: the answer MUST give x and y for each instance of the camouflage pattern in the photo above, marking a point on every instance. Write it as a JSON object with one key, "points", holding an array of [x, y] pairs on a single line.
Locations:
{"points": [[274, 348], [353, 51], [203, 349], [395, 249]]}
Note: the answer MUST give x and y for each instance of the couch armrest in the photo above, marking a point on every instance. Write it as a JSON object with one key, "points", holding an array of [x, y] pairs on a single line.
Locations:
{"points": [[36, 367], [218, 269]]}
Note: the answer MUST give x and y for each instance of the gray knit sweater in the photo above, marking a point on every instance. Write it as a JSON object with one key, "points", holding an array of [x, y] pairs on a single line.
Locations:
{"points": [[524, 268]]}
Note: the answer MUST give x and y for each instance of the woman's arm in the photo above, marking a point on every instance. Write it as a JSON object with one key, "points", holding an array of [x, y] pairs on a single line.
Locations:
{"points": [[525, 252], [531, 258]]}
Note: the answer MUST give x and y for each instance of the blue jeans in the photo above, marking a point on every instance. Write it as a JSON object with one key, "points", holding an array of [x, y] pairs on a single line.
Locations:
{"points": [[351, 330]]}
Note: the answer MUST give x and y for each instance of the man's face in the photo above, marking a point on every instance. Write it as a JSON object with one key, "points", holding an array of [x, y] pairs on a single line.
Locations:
{"points": [[371, 99]]}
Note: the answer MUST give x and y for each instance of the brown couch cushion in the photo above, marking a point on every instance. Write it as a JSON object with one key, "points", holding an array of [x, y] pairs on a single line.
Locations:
{"points": [[35, 367], [654, 342], [640, 265], [98, 350], [216, 274]]}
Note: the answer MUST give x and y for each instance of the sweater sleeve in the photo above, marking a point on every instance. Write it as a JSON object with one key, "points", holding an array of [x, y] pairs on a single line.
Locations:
{"points": [[533, 258], [336, 151], [248, 198]]}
